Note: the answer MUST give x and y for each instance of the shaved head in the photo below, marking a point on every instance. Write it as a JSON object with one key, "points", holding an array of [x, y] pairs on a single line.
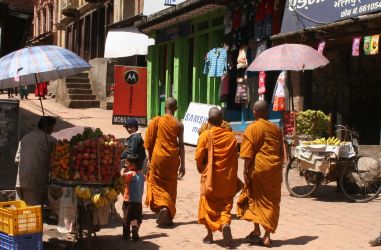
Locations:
{"points": [[215, 116], [171, 104], [260, 109]]}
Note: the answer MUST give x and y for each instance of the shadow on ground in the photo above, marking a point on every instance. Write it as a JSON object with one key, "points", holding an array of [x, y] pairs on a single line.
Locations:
{"points": [[28, 121], [104, 242], [298, 241]]}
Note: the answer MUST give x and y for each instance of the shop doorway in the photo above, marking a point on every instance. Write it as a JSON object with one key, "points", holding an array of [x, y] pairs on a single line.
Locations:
{"points": [[365, 99]]}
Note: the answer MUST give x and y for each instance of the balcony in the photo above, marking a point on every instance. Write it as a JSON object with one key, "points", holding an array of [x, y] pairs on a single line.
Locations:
{"points": [[69, 8]]}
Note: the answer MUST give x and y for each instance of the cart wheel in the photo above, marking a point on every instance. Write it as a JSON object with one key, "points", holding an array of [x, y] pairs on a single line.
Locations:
{"points": [[361, 182], [300, 183]]}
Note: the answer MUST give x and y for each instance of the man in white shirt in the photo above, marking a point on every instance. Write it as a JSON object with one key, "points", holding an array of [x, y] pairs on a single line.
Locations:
{"points": [[33, 159]]}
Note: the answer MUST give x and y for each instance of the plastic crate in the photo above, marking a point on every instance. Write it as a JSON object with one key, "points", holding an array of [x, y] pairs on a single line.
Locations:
{"points": [[21, 242], [16, 218]]}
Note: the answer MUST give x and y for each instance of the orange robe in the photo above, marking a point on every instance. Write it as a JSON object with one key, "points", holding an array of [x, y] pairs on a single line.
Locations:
{"points": [[259, 201], [161, 141], [214, 208]]}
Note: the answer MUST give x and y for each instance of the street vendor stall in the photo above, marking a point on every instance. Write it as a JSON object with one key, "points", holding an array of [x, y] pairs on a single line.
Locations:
{"points": [[324, 160], [86, 169]]}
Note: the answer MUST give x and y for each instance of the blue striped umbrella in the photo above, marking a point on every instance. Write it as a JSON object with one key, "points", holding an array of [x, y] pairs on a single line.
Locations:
{"points": [[32, 65]]}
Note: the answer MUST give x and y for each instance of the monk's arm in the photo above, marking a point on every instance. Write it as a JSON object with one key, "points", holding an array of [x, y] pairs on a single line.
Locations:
{"points": [[181, 150], [201, 154], [246, 170]]}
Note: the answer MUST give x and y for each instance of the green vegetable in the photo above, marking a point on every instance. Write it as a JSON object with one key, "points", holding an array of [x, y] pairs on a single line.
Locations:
{"points": [[312, 122]]}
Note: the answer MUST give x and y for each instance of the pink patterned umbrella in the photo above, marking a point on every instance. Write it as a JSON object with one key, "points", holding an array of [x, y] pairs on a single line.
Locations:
{"points": [[288, 57]]}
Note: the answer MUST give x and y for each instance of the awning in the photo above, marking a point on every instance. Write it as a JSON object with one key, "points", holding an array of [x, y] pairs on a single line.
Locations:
{"points": [[124, 42]]}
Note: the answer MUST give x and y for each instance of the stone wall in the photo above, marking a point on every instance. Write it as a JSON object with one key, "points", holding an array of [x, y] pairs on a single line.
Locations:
{"points": [[102, 77]]}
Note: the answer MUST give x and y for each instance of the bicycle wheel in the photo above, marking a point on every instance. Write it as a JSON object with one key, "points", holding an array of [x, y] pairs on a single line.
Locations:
{"points": [[361, 182], [300, 182]]}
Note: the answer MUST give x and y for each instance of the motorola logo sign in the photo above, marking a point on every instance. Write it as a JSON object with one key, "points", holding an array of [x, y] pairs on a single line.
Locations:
{"points": [[131, 77]]}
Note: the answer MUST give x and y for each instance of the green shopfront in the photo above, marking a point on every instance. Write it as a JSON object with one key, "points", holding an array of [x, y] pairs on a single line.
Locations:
{"points": [[175, 63]]}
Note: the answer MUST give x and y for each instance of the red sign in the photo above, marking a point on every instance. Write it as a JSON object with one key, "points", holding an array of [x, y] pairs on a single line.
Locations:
{"points": [[130, 94]]}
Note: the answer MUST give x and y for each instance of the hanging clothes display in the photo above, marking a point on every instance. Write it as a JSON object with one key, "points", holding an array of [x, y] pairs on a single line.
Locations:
{"points": [[241, 95], [279, 97], [262, 83], [216, 62], [224, 88], [228, 22], [242, 58]]}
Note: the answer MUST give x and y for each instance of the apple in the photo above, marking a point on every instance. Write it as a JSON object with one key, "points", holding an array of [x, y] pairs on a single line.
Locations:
{"points": [[85, 162], [86, 156], [93, 156], [87, 143]]}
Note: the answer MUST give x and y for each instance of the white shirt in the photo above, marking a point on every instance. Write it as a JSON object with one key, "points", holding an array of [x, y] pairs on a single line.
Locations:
{"points": [[33, 156]]}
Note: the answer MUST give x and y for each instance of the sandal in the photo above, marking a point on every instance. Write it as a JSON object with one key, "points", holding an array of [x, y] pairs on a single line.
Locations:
{"points": [[376, 241], [253, 238], [207, 240], [227, 235]]}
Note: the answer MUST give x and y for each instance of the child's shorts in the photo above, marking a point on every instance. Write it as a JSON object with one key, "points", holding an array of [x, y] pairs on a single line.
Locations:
{"points": [[132, 211]]}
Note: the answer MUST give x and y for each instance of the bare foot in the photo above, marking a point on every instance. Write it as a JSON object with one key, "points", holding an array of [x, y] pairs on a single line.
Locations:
{"points": [[266, 241]]}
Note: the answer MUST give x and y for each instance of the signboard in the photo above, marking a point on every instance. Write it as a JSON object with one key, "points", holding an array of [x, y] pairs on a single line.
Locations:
{"points": [[9, 135], [152, 6], [130, 94], [197, 114], [300, 14]]}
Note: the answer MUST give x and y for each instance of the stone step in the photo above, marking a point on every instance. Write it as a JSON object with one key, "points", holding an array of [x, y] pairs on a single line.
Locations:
{"points": [[82, 75], [78, 104], [79, 91], [82, 97], [77, 80], [78, 85]]}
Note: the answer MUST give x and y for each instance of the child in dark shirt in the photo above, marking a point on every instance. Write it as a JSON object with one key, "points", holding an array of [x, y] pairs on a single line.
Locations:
{"points": [[132, 199], [134, 143]]}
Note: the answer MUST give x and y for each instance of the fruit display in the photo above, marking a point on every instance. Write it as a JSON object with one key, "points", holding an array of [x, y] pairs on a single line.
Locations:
{"points": [[83, 192], [90, 157], [331, 141], [312, 122], [99, 200], [60, 160]]}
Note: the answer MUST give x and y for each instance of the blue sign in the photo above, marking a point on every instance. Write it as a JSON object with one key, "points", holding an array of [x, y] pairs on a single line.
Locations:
{"points": [[171, 2], [301, 14]]}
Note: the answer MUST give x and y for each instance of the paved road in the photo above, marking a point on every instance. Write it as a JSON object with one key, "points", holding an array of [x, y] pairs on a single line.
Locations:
{"points": [[325, 221]]}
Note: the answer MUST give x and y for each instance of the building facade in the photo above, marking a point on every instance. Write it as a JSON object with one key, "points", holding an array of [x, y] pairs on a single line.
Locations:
{"points": [[185, 36]]}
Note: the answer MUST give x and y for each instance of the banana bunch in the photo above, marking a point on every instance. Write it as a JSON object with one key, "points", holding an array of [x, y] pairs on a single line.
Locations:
{"points": [[83, 192], [99, 200], [333, 141], [322, 141], [110, 193]]}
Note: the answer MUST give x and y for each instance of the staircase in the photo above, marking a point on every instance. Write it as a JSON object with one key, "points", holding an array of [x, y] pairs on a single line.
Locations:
{"points": [[78, 92]]}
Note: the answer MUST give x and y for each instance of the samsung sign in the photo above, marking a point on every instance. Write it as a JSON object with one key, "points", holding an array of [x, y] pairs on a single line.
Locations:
{"points": [[300, 14], [153, 6]]}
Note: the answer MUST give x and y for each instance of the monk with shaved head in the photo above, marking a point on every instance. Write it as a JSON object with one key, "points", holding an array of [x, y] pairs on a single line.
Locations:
{"points": [[217, 162], [207, 125], [262, 152], [165, 146]]}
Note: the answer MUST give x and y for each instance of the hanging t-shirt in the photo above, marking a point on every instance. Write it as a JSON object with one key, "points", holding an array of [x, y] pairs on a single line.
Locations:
{"points": [[216, 62]]}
